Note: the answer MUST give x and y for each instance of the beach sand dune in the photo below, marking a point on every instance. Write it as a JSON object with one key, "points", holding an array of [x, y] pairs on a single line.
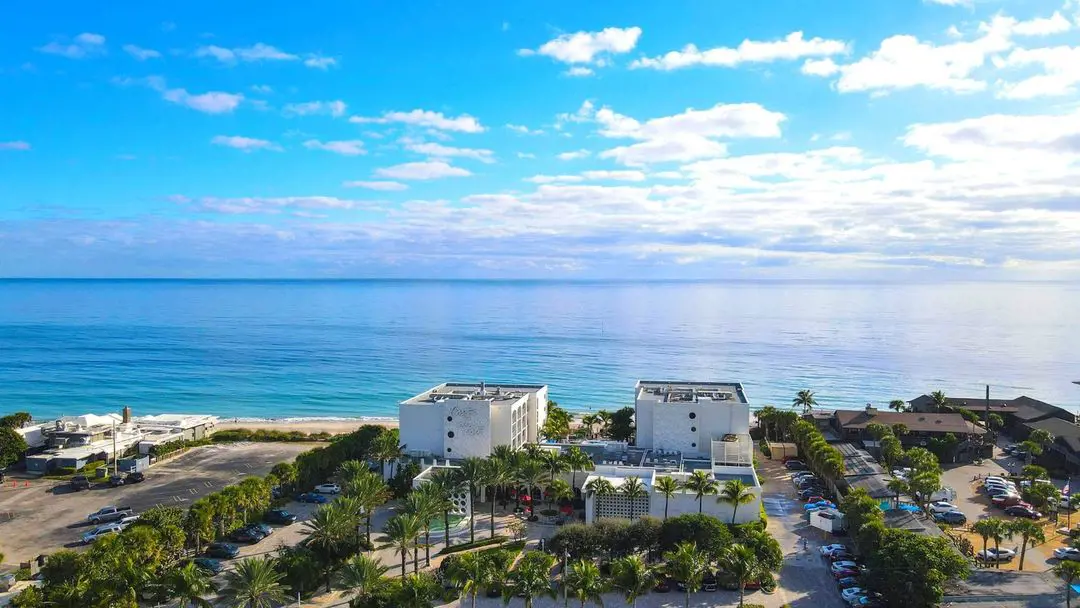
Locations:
{"points": [[334, 427]]}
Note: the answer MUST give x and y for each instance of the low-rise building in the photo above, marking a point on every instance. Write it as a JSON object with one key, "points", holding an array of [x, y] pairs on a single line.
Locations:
{"points": [[686, 416], [455, 420], [922, 428], [1014, 412]]}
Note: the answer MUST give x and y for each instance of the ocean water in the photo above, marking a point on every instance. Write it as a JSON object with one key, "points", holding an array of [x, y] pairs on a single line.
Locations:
{"points": [[277, 349]]}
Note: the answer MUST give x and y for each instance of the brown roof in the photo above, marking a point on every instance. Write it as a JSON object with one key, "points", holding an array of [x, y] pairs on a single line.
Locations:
{"points": [[978, 404], [915, 421]]}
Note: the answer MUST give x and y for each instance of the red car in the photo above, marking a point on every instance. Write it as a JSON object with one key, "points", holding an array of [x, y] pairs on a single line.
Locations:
{"points": [[844, 574]]}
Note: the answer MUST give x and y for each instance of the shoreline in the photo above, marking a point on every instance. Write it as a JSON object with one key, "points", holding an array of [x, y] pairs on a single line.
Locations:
{"points": [[331, 425]]}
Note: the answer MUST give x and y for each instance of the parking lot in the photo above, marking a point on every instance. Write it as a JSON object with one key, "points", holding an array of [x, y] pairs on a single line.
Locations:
{"points": [[47, 515]]}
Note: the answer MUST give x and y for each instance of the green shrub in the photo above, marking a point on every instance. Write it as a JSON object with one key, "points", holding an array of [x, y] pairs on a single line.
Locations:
{"points": [[22, 574], [764, 517], [766, 451], [266, 436]]}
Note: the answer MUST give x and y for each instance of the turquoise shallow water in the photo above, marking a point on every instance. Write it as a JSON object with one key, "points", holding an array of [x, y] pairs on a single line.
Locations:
{"points": [[274, 349]]}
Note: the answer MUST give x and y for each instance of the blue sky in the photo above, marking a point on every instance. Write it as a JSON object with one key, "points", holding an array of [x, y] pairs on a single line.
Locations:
{"points": [[687, 139]]}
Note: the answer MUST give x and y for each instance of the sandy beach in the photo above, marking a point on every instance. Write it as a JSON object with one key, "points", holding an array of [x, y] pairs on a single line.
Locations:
{"points": [[334, 427]]}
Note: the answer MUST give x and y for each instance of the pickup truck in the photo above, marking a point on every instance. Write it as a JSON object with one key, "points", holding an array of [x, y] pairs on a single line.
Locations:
{"points": [[107, 514]]}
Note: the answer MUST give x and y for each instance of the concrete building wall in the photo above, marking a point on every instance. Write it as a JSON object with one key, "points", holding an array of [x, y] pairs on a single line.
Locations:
{"points": [[537, 402], [643, 422], [472, 425], [617, 506], [422, 428], [677, 426]]}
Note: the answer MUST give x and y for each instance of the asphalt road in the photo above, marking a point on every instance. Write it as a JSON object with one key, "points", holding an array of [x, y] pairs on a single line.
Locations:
{"points": [[47, 516]]}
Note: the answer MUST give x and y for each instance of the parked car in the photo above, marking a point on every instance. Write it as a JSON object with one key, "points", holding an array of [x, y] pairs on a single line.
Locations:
{"points": [[815, 498], [280, 517], [708, 583], [127, 521], [851, 593], [313, 497], [942, 507], [1007, 500], [1021, 511], [115, 481], [848, 582], [222, 550], [801, 474], [103, 530], [134, 477], [843, 565], [79, 482], [1067, 553], [107, 514], [263, 529], [1064, 504], [208, 565], [245, 535], [992, 492], [956, 518], [996, 555], [795, 465], [845, 573], [328, 488], [828, 550]]}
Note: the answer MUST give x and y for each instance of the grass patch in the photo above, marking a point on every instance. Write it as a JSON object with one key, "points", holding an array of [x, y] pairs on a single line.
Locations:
{"points": [[486, 542]]}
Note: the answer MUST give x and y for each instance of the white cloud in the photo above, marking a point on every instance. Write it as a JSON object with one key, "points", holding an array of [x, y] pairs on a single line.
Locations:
{"points": [[621, 176], [1061, 73], [676, 148], [84, 45], [426, 118], [262, 88], [950, 2], [790, 48], [422, 171], [1010, 139], [820, 67], [522, 129], [269, 205], [335, 108], [247, 144], [353, 147], [552, 179], [584, 113], [319, 62], [376, 185], [441, 151], [1043, 26], [575, 155], [14, 145], [140, 53], [579, 71], [587, 47], [254, 53], [214, 102], [526, 155]]}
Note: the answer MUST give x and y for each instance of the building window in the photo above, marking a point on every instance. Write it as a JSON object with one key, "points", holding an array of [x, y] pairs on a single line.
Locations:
{"points": [[693, 445], [450, 434], [692, 415], [449, 418], [449, 449], [693, 429]]}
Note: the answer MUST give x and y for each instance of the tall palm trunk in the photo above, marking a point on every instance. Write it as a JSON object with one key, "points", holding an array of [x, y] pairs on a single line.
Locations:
{"points": [[492, 523], [416, 555], [686, 603], [367, 519], [472, 535], [667, 499], [427, 547], [446, 527], [403, 554], [699, 504], [742, 593]]}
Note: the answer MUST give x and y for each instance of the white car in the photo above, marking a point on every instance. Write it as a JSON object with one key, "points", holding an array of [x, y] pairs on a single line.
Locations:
{"points": [[100, 531], [127, 521], [994, 478], [843, 565], [943, 507], [999, 555], [328, 488], [1065, 504], [1068, 553], [852, 593], [828, 550]]}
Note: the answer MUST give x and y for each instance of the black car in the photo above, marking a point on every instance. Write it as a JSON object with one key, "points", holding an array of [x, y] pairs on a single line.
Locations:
{"points": [[1020, 511], [116, 481], [246, 535], [795, 465], [222, 550], [951, 517], [280, 517], [810, 492], [80, 482], [135, 477], [208, 564], [263, 529]]}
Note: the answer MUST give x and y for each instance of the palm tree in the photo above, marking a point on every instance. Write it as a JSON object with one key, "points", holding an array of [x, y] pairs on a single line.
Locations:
{"points": [[940, 401], [687, 565], [499, 473], [425, 503], [805, 400], [1032, 448], [897, 487], [473, 472], [599, 487], [372, 492], [668, 487], [585, 582], [578, 461], [417, 591], [386, 448], [1042, 438], [349, 473], [701, 485], [446, 483], [998, 530], [898, 405], [531, 475], [253, 584], [985, 529], [736, 493], [1029, 532], [1069, 572], [469, 572], [189, 584], [531, 578], [766, 418], [589, 421], [402, 531], [741, 562], [326, 532], [559, 490], [360, 576], [554, 463], [632, 488], [505, 453], [633, 577]]}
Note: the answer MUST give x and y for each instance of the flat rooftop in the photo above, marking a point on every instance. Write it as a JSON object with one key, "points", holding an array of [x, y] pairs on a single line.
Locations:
{"points": [[668, 391], [479, 391]]}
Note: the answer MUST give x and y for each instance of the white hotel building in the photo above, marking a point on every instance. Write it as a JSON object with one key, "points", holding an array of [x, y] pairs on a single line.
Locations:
{"points": [[452, 421]]}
